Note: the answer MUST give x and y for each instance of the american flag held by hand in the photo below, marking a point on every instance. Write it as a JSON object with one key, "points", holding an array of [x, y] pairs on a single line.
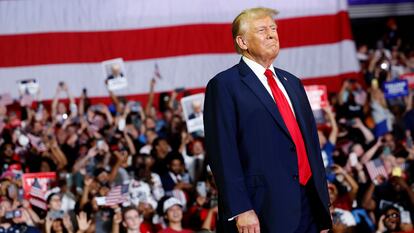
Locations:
{"points": [[376, 168], [157, 73], [117, 195]]}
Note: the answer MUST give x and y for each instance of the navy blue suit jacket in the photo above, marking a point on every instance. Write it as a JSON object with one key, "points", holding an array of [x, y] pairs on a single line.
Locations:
{"points": [[251, 153]]}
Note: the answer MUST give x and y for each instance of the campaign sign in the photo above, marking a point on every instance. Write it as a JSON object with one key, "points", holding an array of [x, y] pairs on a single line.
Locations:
{"points": [[114, 73], [28, 86], [42, 180], [395, 89], [193, 112], [317, 96], [410, 78]]}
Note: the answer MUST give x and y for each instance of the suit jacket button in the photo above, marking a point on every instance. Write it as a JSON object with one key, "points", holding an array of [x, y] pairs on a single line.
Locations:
{"points": [[296, 176]]}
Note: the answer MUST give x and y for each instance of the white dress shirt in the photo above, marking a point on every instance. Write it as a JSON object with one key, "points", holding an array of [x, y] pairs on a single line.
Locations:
{"points": [[259, 71]]}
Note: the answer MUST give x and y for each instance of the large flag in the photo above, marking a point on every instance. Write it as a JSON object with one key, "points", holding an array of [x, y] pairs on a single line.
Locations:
{"points": [[187, 41]]}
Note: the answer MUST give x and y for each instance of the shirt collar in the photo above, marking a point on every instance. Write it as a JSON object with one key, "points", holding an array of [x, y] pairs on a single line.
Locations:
{"points": [[258, 69]]}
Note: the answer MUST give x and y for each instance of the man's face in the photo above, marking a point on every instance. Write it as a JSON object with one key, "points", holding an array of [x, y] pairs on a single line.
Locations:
{"points": [[8, 150], [176, 166], [392, 220], [389, 141], [175, 214], [132, 220], [261, 39], [116, 69], [55, 203], [198, 148], [164, 148]]}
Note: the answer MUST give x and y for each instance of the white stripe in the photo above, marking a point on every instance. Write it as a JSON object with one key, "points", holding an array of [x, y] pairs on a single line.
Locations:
{"points": [[94, 15], [319, 60], [184, 71]]}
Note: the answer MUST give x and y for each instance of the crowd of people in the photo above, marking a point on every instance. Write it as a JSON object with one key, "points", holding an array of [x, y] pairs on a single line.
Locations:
{"points": [[129, 167]]}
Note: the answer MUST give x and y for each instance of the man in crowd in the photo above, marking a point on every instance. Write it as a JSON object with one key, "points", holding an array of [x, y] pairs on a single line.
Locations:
{"points": [[173, 211]]}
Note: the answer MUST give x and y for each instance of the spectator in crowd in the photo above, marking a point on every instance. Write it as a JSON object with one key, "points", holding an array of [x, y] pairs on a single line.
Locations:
{"points": [[173, 214], [176, 178], [390, 221], [131, 221]]}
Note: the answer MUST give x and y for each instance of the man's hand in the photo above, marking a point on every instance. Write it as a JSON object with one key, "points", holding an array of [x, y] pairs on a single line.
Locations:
{"points": [[248, 222]]}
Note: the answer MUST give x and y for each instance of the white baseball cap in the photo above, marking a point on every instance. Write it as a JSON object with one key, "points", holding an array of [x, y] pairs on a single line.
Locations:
{"points": [[171, 202]]}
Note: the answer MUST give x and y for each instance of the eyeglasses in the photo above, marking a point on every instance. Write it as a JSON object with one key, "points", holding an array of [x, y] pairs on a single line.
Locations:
{"points": [[393, 215]]}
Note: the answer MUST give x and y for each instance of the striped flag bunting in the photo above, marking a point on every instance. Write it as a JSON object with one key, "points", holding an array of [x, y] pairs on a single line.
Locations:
{"points": [[191, 41]]}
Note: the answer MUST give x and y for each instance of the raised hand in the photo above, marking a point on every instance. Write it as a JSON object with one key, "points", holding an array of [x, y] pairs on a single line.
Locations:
{"points": [[83, 222]]}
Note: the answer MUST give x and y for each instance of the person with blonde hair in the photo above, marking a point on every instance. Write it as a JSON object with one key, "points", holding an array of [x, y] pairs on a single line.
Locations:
{"points": [[262, 141]]}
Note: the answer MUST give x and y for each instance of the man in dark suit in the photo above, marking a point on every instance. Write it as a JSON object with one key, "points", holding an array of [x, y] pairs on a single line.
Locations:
{"points": [[262, 141]]}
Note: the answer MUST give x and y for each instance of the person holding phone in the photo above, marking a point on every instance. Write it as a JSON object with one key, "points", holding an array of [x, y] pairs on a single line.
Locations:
{"points": [[390, 221], [262, 141]]}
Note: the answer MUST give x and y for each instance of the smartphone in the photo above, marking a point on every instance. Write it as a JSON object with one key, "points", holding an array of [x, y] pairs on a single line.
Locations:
{"points": [[56, 214], [121, 124], [201, 188], [350, 122], [386, 151], [100, 143], [353, 159], [13, 214], [405, 217], [9, 215], [17, 213]]}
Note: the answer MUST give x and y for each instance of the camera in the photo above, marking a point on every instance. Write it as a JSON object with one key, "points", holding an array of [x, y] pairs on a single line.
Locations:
{"points": [[13, 214], [56, 214]]}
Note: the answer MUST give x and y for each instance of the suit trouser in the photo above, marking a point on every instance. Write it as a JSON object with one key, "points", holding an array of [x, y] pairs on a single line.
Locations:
{"points": [[311, 207], [307, 222]]}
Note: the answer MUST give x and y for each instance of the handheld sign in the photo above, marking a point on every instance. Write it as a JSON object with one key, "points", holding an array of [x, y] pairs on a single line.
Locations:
{"points": [[395, 89]]}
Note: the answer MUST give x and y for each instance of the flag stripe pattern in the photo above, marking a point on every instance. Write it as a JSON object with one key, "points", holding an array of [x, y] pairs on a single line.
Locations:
{"points": [[55, 41], [117, 195], [376, 168]]}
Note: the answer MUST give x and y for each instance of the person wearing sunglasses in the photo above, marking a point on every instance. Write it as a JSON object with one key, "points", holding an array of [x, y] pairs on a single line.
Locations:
{"points": [[390, 221]]}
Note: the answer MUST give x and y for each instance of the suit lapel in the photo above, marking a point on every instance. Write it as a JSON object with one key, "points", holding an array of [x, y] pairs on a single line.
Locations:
{"points": [[253, 82]]}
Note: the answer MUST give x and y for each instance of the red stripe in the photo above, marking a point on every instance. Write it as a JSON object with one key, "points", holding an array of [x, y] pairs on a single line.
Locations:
{"points": [[334, 82], [81, 47]]}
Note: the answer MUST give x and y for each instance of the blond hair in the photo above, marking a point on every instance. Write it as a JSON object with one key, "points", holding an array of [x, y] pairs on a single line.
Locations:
{"points": [[240, 22]]}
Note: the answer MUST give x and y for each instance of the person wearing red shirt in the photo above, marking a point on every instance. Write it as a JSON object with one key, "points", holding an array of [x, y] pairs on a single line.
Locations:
{"points": [[173, 215]]}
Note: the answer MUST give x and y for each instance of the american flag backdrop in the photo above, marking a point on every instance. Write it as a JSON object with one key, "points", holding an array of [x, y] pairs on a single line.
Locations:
{"points": [[187, 41]]}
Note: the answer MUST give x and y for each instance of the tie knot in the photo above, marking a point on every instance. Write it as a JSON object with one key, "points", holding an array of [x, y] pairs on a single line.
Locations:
{"points": [[268, 73]]}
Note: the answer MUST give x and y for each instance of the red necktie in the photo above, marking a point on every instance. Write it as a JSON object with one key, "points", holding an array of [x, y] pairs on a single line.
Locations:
{"points": [[292, 125]]}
